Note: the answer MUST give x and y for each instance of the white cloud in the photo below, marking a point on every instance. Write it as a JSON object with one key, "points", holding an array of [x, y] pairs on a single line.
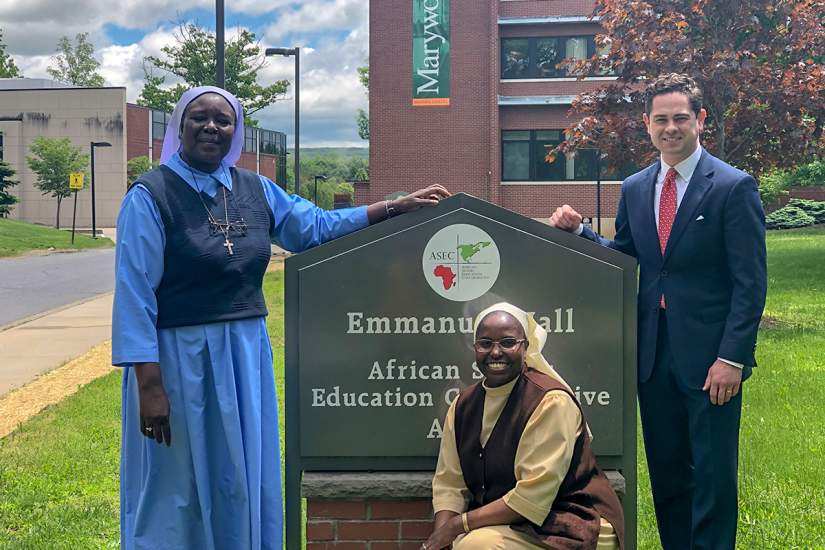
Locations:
{"points": [[330, 91], [318, 15]]}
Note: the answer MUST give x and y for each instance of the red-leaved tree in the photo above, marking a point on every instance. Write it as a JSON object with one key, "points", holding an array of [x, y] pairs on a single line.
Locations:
{"points": [[760, 64]]}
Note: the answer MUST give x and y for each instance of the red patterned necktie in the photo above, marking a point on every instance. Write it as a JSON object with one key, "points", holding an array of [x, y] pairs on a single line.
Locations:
{"points": [[667, 213]]}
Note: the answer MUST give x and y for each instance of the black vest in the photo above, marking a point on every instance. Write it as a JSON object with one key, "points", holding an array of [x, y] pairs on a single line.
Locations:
{"points": [[572, 522], [202, 283]]}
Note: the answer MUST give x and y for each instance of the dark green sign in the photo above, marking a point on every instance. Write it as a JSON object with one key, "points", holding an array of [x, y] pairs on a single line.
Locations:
{"points": [[379, 333], [431, 52]]}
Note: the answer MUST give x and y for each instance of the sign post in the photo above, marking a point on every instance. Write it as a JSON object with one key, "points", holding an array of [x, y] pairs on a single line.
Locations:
{"points": [[379, 337], [75, 184]]}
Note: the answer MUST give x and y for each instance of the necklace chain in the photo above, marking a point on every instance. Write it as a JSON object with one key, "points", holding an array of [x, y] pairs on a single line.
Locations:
{"points": [[227, 226]]}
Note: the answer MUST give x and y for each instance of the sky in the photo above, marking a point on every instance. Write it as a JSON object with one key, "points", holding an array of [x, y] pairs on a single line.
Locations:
{"points": [[332, 34]]}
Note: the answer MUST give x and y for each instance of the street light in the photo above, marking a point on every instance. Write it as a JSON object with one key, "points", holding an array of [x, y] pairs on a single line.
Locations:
{"points": [[322, 178], [219, 45], [286, 52], [92, 146]]}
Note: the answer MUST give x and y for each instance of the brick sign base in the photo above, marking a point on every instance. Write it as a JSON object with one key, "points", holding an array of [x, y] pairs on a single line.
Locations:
{"points": [[368, 510], [368, 524], [375, 510]]}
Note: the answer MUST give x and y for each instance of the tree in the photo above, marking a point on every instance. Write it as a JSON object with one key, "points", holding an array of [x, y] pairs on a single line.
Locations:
{"points": [[7, 67], [76, 64], [53, 160], [339, 171], [137, 166], [7, 200], [363, 116], [760, 64], [193, 61]]}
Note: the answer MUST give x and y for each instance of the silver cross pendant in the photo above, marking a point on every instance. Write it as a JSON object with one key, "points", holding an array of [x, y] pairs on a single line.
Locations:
{"points": [[228, 244]]}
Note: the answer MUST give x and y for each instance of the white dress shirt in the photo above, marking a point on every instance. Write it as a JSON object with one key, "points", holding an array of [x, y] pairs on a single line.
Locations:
{"points": [[684, 172]]}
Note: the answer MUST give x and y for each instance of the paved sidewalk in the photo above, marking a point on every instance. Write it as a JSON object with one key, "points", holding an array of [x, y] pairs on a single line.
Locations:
{"points": [[40, 345]]}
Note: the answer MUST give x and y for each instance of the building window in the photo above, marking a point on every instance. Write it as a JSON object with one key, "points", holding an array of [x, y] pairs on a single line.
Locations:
{"points": [[523, 155], [159, 122], [538, 57], [272, 143], [1, 147], [250, 137]]}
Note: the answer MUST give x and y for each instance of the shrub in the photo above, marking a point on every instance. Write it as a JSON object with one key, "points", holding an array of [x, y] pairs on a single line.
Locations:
{"points": [[815, 209], [788, 217], [773, 186], [809, 175]]}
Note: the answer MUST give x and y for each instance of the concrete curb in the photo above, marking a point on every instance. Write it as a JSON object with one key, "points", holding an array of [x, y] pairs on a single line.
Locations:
{"points": [[47, 342], [36, 316]]}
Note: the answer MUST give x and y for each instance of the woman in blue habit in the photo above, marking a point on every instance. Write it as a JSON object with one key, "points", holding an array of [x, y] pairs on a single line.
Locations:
{"points": [[189, 329]]}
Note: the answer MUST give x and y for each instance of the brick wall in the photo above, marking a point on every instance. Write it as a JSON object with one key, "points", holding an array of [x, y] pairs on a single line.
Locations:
{"points": [[551, 117], [553, 87], [809, 193], [539, 201], [542, 8], [137, 131], [368, 525]]}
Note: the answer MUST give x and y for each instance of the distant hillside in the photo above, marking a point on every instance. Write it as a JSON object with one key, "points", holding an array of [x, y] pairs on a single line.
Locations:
{"points": [[344, 152]]}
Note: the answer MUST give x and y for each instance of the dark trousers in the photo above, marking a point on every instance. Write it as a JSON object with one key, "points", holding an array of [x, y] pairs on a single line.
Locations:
{"points": [[692, 449]]}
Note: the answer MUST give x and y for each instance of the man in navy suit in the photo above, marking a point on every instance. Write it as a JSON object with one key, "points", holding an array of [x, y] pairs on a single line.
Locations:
{"points": [[697, 228]]}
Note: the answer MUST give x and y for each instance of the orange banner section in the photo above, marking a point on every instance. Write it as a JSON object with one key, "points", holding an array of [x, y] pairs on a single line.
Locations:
{"points": [[429, 102]]}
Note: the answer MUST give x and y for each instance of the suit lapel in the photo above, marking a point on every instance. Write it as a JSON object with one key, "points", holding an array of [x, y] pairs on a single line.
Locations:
{"points": [[699, 185]]}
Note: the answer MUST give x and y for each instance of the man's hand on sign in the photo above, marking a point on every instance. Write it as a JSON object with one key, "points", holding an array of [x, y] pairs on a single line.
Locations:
{"points": [[566, 218]]}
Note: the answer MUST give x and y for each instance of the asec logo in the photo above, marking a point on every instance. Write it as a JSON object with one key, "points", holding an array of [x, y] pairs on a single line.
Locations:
{"points": [[461, 262]]}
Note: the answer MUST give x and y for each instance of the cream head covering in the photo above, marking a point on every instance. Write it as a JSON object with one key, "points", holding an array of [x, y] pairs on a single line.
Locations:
{"points": [[536, 338], [171, 140]]}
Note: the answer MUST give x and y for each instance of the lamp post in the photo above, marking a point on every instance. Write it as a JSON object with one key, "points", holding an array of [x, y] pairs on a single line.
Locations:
{"points": [[92, 146], [322, 178], [286, 52], [219, 45], [599, 190]]}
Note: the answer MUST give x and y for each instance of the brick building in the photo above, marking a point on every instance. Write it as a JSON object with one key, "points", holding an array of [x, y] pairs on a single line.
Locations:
{"points": [[507, 102]]}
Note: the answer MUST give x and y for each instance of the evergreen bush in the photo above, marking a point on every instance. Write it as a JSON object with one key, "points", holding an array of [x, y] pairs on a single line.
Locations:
{"points": [[788, 217], [815, 209]]}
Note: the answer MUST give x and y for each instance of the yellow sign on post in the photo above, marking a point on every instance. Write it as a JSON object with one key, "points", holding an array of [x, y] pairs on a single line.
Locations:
{"points": [[76, 181]]}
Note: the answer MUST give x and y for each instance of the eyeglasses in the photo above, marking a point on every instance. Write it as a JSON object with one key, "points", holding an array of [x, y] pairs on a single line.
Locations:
{"points": [[486, 344]]}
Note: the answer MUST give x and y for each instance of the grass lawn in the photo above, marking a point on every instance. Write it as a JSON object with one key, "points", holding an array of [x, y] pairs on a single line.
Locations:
{"points": [[59, 471], [21, 237]]}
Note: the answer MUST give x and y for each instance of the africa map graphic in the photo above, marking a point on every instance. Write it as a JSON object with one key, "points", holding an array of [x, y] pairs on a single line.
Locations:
{"points": [[466, 251]]}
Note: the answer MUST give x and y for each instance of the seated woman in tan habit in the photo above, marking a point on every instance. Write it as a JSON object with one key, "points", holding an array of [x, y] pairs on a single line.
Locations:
{"points": [[515, 468]]}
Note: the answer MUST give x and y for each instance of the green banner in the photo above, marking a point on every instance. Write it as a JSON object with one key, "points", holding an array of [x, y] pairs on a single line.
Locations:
{"points": [[431, 52]]}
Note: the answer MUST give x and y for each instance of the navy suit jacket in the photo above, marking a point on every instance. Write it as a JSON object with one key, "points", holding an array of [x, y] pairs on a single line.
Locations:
{"points": [[713, 272]]}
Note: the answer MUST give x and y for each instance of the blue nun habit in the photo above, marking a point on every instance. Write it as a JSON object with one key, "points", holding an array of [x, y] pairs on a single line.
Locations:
{"points": [[219, 484]]}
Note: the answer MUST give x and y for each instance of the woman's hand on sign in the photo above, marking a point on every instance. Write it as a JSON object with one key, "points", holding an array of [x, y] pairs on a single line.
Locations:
{"points": [[429, 196], [154, 403]]}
